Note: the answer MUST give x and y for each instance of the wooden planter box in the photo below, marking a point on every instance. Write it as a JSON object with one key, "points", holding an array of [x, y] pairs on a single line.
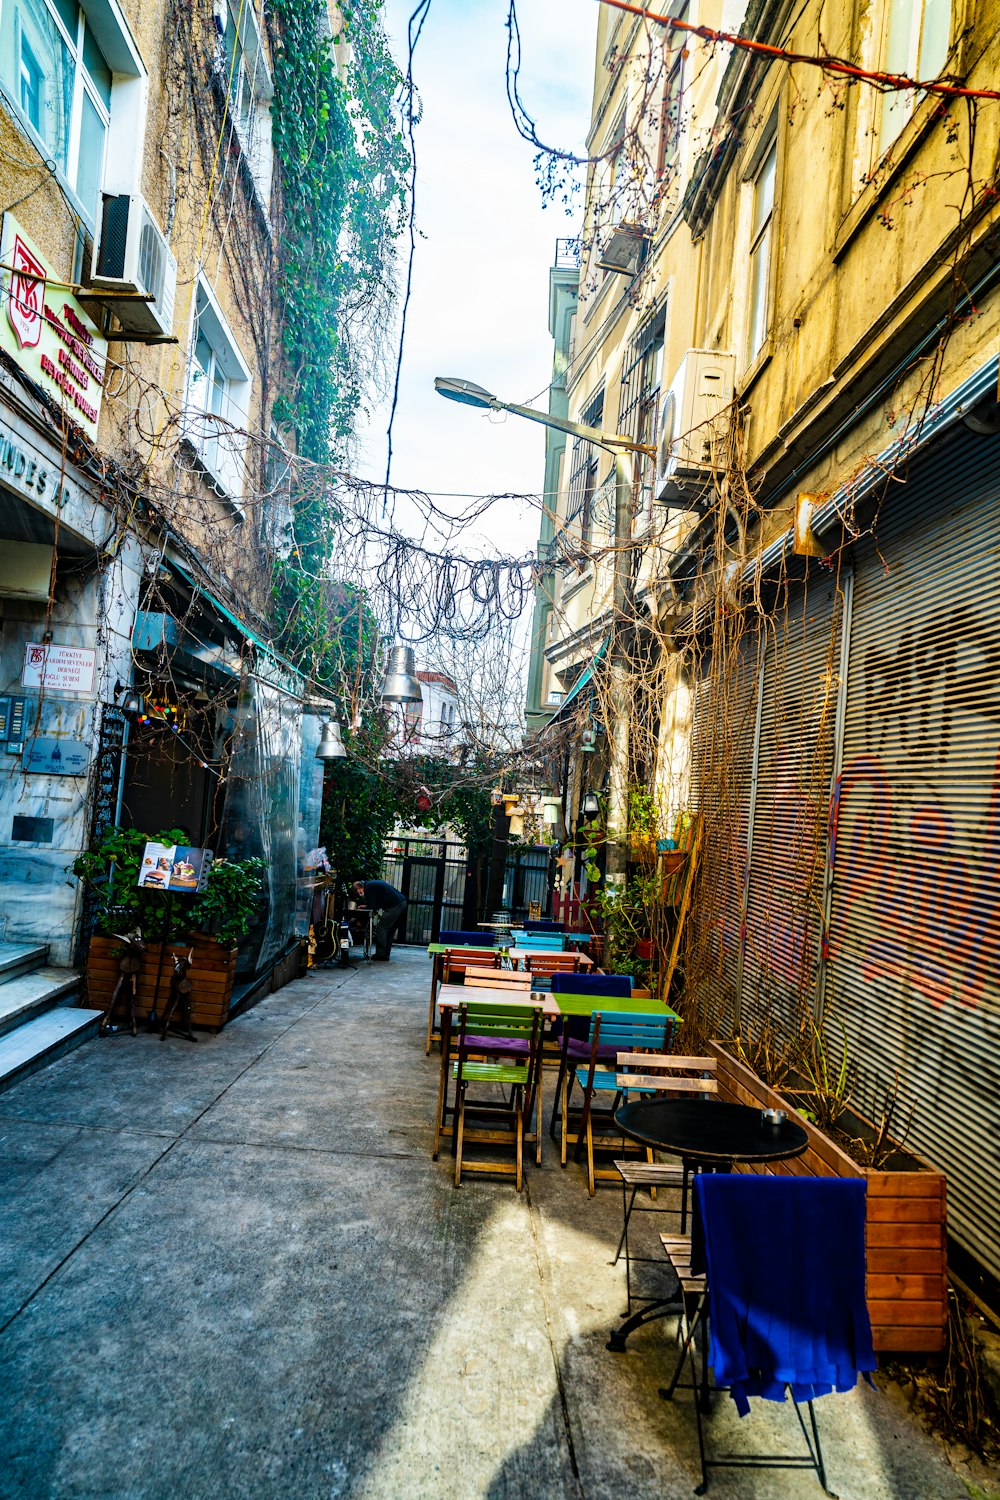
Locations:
{"points": [[906, 1222], [212, 974]]}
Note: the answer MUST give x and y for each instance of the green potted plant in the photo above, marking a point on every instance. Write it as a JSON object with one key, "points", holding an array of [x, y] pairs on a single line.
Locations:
{"points": [[207, 925]]}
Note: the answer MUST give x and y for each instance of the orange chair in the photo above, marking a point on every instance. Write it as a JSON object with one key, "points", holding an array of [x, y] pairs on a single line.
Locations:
{"points": [[542, 966]]}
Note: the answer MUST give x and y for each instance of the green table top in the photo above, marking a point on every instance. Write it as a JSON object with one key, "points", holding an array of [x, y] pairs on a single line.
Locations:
{"points": [[637, 1005]]}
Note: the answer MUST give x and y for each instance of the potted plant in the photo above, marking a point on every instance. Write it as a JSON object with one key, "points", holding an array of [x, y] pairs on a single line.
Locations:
{"points": [[906, 1218], [207, 925]]}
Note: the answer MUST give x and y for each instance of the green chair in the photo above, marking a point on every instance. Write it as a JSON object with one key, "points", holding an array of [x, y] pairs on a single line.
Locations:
{"points": [[500, 1092]]}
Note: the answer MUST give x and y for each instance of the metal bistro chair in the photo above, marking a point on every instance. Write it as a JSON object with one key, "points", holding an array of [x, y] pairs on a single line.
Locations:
{"points": [[774, 1275], [667, 1074], [483, 1027], [629, 1033]]}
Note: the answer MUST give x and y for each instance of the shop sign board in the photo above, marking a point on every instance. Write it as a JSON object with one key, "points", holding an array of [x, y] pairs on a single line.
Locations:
{"points": [[67, 669], [56, 756], [46, 331], [174, 867]]}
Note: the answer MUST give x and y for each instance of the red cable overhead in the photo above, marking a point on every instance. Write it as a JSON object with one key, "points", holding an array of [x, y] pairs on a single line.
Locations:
{"points": [[838, 65]]}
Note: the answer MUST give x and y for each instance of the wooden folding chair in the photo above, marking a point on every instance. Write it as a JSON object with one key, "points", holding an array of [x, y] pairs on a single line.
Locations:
{"points": [[621, 1031], [544, 965], [644, 1072], [500, 1025], [446, 968], [512, 980]]}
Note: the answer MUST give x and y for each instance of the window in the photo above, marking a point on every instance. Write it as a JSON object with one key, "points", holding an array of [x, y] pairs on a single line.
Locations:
{"points": [[249, 84], [760, 251], [218, 397], [641, 376], [53, 66], [583, 477], [673, 103], [916, 43], [277, 521]]}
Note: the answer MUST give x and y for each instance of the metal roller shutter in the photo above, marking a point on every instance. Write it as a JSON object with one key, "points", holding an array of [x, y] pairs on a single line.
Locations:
{"points": [[721, 770], [914, 942], [789, 802]]}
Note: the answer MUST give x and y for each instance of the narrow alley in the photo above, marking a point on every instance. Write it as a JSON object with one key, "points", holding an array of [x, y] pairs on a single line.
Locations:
{"points": [[232, 1270]]}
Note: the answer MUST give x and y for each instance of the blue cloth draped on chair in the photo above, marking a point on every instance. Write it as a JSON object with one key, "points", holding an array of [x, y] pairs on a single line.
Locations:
{"points": [[785, 1258]]}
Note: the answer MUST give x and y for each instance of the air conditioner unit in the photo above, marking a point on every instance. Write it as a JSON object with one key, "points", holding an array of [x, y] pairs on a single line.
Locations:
{"points": [[694, 420], [133, 272]]}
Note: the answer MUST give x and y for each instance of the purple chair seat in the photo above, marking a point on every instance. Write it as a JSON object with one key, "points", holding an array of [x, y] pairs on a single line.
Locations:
{"points": [[579, 1050], [508, 1046]]}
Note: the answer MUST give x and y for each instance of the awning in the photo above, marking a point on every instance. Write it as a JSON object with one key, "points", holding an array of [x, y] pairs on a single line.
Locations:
{"points": [[227, 614], [581, 682]]}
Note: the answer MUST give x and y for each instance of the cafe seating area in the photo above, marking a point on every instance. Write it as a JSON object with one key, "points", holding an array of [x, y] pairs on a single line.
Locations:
{"points": [[531, 1015]]}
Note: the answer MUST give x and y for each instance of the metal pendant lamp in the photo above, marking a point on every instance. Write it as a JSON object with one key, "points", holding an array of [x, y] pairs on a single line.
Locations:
{"points": [[401, 685], [331, 746]]}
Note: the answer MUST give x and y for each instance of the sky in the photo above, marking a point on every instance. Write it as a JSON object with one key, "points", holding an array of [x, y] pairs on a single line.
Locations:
{"points": [[479, 306]]}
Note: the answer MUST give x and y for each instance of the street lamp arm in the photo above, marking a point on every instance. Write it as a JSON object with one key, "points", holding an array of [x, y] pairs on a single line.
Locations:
{"points": [[609, 440]]}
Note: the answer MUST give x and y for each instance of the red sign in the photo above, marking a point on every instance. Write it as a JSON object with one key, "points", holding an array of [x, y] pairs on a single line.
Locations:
{"points": [[24, 300]]}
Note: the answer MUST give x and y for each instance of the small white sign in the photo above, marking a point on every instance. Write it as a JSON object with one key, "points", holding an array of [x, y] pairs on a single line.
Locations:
{"points": [[66, 669]]}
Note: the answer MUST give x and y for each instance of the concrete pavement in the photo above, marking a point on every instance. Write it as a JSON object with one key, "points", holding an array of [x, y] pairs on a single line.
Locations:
{"points": [[231, 1271]]}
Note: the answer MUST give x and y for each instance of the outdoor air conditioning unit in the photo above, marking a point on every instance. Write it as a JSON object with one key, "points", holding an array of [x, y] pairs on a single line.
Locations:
{"points": [[133, 272], [694, 420]]}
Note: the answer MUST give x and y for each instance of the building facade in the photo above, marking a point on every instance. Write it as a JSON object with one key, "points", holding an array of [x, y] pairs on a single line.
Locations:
{"points": [[143, 473], [790, 284]]}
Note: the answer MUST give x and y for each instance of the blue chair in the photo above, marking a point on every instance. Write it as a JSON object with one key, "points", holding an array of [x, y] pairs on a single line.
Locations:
{"points": [[574, 1031], [465, 939], [542, 925], [541, 942], [776, 1268], [619, 1033]]}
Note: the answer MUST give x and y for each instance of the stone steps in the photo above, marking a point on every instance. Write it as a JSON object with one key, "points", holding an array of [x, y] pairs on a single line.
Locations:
{"points": [[29, 995], [37, 1020], [35, 1043], [21, 958]]}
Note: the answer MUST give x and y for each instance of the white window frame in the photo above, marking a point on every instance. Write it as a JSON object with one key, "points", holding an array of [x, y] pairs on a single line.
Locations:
{"points": [[218, 439], [906, 54], [760, 238], [249, 76], [124, 120]]}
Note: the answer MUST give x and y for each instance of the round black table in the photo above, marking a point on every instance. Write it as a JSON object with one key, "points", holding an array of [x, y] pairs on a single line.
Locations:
{"points": [[708, 1136]]}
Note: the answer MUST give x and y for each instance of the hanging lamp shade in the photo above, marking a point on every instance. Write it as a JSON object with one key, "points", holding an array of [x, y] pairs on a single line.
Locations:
{"points": [[401, 685], [331, 746], [590, 806]]}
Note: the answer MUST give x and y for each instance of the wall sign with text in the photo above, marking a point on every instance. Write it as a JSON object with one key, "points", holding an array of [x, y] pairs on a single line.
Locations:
{"points": [[46, 331], [67, 669]]}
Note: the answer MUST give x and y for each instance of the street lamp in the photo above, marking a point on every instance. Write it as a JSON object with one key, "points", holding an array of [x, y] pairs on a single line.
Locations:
{"points": [[401, 685], [467, 393]]}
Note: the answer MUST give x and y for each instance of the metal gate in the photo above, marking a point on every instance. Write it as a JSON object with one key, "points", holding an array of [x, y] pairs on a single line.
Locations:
{"points": [[527, 879], [431, 873]]}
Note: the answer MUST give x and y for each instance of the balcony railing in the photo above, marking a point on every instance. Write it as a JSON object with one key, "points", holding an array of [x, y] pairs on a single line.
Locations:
{"points": [[567, 253]]}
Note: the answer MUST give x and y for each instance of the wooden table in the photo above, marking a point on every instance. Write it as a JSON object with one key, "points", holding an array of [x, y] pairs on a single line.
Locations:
{"points": [[450, 996], [436, 951]]}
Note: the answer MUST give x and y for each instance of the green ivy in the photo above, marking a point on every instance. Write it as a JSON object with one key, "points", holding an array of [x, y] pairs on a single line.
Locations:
{"points": [[343, 165], [359, 810]]}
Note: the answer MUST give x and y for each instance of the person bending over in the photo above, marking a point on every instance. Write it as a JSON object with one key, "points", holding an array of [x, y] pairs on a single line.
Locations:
{"points": [[389, 906]]}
